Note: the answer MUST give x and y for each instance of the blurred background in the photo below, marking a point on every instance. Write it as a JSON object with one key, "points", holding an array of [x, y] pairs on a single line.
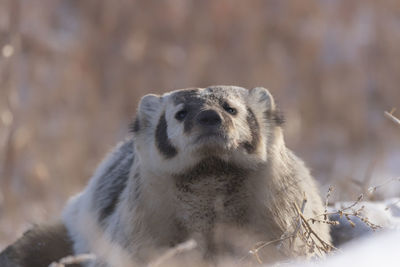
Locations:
{"points": [[72, 72]]}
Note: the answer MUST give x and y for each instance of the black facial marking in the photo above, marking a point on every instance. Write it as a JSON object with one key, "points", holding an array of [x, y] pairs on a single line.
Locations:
{"points": [[107, 193], [193, 102], [193, 108], [134, 127], [189, 122], [186, 96], [162, 141], [254, 127]]}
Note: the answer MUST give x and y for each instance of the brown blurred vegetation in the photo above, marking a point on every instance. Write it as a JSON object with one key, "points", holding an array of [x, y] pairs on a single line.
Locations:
{"points": [[72, 72]]}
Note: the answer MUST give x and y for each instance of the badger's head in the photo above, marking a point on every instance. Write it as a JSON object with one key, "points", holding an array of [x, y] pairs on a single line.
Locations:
{"points": [[175, 131]]}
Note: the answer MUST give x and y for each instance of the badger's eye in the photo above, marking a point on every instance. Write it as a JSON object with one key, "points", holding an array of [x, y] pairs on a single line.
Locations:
{"points": [[229, 109], [180, 115]]}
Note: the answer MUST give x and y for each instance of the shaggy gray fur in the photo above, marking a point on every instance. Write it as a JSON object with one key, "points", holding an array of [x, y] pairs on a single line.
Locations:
{"points": [[207, 164]]}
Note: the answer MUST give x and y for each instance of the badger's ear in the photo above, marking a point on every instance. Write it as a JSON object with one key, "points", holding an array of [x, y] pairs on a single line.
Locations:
{"points": [[262, 101], [262, 98], [149, 107]]}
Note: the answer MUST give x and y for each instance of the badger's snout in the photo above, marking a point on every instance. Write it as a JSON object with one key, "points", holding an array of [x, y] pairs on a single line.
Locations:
{"points": [[210, 128], [209, 118]]}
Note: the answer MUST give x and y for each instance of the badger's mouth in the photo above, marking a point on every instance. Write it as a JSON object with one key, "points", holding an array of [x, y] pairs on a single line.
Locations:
{"points": [[211, 142], [210, 137]]}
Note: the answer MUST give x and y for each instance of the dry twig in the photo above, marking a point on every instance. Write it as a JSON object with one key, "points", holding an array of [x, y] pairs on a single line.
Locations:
{"points": [[180, 248], [372, 189], [310, 234], [298, 227], [392, 204], [303, 230], [391, 117], [347, 212], [77, 259], [260, 245]]}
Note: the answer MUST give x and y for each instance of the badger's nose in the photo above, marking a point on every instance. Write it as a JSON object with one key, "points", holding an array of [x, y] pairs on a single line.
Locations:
{"points": [[209, 118]]}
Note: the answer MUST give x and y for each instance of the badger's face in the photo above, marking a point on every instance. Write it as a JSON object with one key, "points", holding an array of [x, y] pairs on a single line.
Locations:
{"points": [[175, 131]]}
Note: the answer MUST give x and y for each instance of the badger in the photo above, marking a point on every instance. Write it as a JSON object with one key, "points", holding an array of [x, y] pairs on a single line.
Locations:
{"points": [[207, 164]]}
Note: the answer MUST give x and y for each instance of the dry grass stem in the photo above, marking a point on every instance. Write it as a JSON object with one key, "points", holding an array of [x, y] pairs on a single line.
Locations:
{"points": [[81, 258], [180, 248], [298, 226], [311, 235], [372, 189], [392, 204], [347, 212], [303, 230], [261, 245], [391, 117], [327, 201]]}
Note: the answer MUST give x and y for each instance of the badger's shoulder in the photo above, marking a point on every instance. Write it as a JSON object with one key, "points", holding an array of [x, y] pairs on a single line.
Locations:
{"points": [[39, 246], [89, 210], [45, 244], [111, 180]]}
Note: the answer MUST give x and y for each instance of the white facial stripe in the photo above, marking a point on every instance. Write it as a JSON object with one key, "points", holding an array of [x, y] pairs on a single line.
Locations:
{"points": [[238, 132]]}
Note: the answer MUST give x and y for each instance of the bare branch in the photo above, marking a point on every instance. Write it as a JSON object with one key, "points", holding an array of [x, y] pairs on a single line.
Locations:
{"points": [[392, 204], [327, 201], [81, 258], [180, 248], [372, 189], [391, 117], [349, 211], [325, 246]]}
